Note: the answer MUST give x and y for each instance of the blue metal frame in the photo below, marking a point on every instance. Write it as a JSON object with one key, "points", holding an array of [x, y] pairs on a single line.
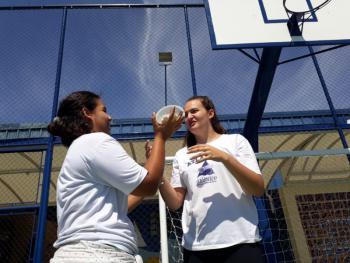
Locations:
{"points": [[134, 129], [263, 82], [257, 59], [329, 100], [39, 244], [95, 6], [309, 55], [15, 210], [190, 54], [21, 148]]}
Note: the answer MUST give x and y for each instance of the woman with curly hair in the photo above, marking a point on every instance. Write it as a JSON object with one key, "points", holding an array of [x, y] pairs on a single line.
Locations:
{"points": [[99, 182]]}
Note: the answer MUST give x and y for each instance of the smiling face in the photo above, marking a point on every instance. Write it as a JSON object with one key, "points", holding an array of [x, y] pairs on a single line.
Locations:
{"points": [[99, 118], [197, 117]]}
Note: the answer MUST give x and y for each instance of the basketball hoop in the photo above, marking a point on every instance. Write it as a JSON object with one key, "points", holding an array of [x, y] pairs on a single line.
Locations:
{"points": [[297, 18]]}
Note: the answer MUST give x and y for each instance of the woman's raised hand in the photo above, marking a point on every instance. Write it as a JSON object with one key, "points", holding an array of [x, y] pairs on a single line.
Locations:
{"points": [[168, 126]]}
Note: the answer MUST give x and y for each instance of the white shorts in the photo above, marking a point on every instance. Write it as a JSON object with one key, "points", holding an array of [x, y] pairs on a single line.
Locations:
{"points": [[88, 251]]}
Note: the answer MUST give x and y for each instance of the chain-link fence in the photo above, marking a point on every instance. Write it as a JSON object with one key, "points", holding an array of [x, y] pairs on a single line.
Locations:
{"points": [[47, 52]]}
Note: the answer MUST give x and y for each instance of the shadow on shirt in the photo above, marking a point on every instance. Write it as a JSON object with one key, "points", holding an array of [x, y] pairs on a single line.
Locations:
{"points": [[220, 210]]}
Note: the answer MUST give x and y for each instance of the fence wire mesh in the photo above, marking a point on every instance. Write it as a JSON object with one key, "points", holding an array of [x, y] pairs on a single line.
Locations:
{"points": [[114, 52]]}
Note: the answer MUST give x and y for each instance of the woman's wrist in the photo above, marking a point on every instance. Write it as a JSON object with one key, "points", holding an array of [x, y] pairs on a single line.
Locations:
{"points": [[160, 136], [226, 157], [161, 185]]}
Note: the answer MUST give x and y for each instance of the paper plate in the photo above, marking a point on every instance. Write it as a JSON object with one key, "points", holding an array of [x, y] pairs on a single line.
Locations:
{"points": [[166, 111]]}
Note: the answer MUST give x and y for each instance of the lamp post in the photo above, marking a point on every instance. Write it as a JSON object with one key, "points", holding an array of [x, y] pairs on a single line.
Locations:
{"points": [[165, 59]]}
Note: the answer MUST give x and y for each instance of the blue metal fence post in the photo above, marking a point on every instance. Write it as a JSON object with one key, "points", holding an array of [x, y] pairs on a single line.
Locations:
{"points": [[263, 83], [45, 189], [190, 53], [329, 100]]}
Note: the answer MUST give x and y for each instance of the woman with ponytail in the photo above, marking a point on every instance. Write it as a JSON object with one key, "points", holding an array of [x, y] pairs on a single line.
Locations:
{"points": [[99, 182]]}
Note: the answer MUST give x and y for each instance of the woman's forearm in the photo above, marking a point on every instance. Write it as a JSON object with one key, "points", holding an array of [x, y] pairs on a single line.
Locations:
{"points": [[134, 201], [155, 167], [173, 197], [251, 182]]}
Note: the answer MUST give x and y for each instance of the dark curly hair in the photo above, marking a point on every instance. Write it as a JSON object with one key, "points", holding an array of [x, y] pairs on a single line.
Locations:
{"points": [[208, 104], [70, 122]]}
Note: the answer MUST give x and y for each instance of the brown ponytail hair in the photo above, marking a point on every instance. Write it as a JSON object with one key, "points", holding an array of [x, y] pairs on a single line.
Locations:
{"points": [[70, 122]]}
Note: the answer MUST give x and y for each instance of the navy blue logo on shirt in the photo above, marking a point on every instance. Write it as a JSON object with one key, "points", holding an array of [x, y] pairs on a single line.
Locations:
{"points": [[206, 174], [191, 161], [205, 169]]}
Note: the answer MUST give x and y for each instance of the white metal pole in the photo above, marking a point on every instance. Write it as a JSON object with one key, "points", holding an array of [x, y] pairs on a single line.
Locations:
{"points": [[163, 231], [290, 154], [302, 153]]}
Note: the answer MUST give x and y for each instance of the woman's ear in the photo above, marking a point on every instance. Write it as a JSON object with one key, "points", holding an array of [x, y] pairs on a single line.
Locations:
{"points": [[87, 113], [211, 113]]}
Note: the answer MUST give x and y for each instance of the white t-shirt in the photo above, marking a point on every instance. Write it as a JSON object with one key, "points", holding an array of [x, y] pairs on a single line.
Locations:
{"points": [[216, 211], [92, 193]]}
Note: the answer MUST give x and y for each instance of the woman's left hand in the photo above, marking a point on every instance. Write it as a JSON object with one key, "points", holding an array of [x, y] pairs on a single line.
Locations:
{"points": [[204, 152]]}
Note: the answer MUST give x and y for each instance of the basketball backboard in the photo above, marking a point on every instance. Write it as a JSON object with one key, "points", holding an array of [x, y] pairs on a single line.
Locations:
{"points": [[263, 23]]}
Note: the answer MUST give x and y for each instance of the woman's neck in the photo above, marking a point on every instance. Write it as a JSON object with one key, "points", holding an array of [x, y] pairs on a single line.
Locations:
{"points": [[208, 136]]}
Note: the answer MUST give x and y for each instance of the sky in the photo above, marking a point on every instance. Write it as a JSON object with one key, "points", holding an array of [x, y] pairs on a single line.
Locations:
{"points": [[114, 52]]}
